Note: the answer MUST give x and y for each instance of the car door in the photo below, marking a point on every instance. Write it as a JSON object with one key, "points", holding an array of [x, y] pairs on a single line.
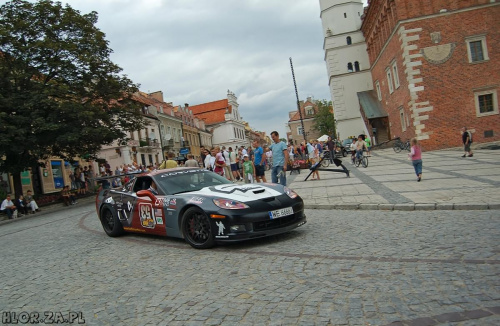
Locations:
{"points": [[147, 211]]}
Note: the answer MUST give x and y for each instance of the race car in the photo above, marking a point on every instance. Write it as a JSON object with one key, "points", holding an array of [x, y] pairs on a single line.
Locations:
{"points": [[200, 206]]}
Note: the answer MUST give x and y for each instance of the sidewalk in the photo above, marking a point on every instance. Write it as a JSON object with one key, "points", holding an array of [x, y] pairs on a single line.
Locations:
{"points": [[389, 182], [51, 208]]}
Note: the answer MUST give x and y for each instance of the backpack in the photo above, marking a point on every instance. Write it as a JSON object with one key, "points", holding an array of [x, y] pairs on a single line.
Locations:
{"points": [[470, 137]]}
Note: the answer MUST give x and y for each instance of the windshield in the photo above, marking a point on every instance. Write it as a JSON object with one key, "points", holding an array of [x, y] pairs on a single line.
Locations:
{"points": [[176, 182], [347, 142]]}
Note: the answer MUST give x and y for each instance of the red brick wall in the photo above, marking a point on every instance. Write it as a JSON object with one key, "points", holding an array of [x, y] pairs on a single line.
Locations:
{"points": [[449, 86]]}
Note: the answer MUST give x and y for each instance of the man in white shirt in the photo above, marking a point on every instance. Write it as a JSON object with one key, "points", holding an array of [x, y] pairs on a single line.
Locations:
{"points": [[9, 208], [227, 168]]}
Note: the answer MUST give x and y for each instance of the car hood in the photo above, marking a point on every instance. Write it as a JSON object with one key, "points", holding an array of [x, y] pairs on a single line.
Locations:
{"points": [[242, 193]]}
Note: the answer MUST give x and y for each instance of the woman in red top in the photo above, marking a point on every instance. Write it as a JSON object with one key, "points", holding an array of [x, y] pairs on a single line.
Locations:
{"points": [[416, 158]]}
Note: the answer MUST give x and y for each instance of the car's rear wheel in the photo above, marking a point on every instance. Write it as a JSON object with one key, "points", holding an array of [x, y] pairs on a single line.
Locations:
{"points": [[196, 228], [110, 223], [344, 153]]}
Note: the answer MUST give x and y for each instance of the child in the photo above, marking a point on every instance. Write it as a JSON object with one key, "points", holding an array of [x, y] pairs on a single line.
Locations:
{"points": [[416, 158], [248, 169]]}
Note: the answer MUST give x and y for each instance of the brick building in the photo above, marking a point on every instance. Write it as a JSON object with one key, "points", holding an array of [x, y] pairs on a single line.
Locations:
{"points": [[309, 108], [435, 67]]}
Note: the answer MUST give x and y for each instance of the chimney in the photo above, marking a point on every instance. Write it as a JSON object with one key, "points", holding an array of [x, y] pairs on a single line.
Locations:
{"points": [[186, 105]]}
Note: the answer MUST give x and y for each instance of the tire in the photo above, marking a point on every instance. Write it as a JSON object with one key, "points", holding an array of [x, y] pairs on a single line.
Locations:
{"points": [[397, 148], [344, 153], [326, 162], [196, 228], [110, 223], [357, 162], [364, 161]]}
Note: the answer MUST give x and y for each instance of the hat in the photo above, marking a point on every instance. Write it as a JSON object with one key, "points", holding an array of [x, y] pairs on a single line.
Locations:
{"points": [[246, 155]]}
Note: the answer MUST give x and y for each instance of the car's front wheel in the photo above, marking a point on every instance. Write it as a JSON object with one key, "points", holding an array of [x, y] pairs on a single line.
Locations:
{"points": [[196, 228], [110, 223]]}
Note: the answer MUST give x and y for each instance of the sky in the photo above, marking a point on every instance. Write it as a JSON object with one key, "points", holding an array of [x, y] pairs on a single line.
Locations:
{"points": [[195, 51]]}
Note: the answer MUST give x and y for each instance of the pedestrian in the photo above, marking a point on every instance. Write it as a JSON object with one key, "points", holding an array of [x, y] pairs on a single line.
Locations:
{"points": [[30, 202], [207, 162], [22, 209], [331, 148], [248, 169], [234, 164], [170, 163], [467, 140], [227, 167], [259, 162], [280, 159], [67, 197], [416, 158], [368, 146], [191, 162], [313, 149], [219, 162], [9, 207]]}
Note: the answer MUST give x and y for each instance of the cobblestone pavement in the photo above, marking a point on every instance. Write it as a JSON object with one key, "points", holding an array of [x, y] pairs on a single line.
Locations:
{"points": [[350, 267], [389, 183]]}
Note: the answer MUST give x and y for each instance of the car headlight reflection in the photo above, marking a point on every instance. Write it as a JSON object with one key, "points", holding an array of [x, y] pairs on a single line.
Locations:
{"points": [[229, 204], [292, 194]]}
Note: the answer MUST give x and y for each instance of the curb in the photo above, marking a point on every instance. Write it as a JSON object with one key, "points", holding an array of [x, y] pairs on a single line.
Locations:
{"points": [[405, 207]]}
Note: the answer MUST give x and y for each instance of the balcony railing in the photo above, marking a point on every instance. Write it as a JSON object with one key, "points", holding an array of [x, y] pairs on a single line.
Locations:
{"points": [[149, 143]]}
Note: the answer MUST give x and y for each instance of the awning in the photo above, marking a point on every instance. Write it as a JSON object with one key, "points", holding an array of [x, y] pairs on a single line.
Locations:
{"points": [[371, 105]]}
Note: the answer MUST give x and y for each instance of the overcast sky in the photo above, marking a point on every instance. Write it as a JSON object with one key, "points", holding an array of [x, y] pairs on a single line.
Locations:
{"points": [[195, 50]]}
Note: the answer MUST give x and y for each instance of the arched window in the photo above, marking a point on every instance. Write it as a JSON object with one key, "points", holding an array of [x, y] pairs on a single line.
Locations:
{"points": [[349, 67], [356, 66], [349, 41]]}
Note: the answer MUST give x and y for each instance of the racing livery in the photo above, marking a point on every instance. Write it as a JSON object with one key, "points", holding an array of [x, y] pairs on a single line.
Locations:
{"points": [[199, 206]]}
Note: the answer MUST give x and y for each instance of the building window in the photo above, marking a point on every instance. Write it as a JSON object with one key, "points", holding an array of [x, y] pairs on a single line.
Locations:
{"points": [[486, 102], [300, 131], [477, 49], [379, 92], [395, 74], [309, 110], [389, 80], [349, 67], [349, 40], [345, 15], [356, 66], [403, 118]]}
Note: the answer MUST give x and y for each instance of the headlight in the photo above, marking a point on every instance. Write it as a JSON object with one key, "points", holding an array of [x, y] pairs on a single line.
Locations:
{"points": [[292, 194], [229, 204]]}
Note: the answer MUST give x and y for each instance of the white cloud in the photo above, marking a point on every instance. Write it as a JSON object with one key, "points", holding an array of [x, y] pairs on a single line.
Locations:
{"points": [[194, 51]]}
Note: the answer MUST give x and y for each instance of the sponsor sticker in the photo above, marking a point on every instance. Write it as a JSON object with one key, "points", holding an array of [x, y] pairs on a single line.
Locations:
{"points": [[196, 200], [146, 215]]}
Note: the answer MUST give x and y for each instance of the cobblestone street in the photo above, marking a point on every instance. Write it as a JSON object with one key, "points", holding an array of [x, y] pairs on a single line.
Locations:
{"points": [[341, 268]]}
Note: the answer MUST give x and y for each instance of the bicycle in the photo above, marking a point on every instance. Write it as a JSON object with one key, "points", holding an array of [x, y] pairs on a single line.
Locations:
{"points": [[326, 159], [363, 160], [399, 145]]}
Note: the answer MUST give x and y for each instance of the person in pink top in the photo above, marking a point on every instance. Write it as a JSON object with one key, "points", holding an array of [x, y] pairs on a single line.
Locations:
{"points": [[416, 158]]}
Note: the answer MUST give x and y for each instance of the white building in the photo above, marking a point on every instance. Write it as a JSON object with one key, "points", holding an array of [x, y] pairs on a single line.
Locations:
{"points": [[223, 120], [347, 62]]}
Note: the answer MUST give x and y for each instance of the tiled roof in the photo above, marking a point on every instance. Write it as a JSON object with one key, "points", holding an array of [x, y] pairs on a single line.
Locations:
{"points": [[211, 112], [296, 116]]}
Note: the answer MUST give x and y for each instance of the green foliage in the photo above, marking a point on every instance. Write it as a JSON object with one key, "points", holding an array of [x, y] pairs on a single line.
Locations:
{"points": [[324, 121], [60, 94]]}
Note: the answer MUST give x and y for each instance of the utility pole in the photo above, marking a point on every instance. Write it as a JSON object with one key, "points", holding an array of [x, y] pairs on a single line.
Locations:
{"points": [[298, 103]]}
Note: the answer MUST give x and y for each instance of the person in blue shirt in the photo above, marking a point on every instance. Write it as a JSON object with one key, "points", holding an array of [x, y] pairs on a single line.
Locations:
{"points": [[259, 161], [280, 159]]}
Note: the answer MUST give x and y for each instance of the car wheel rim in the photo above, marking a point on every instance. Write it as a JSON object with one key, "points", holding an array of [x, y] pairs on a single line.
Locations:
{"points": [[197, 228], [108, 220]]}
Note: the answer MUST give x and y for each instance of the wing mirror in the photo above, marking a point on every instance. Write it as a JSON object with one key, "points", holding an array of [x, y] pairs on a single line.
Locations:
{"points": [[146, 193]]}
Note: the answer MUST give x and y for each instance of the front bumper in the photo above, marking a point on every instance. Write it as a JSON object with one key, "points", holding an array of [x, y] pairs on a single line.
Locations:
{"points": [[256, 220]]}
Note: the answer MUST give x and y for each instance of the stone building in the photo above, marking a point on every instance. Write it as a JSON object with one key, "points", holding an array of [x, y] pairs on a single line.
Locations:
{"points": [[296, 133]]}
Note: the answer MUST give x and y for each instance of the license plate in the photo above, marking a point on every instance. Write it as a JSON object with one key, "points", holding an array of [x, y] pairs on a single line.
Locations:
{"points": [[280, 213]]}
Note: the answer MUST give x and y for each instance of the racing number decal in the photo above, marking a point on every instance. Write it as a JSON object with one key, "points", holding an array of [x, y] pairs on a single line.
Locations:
{"points": [[146, 215]]}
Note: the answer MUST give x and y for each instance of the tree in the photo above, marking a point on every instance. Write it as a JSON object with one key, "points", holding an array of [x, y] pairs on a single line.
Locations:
{"points": [[324, 121], [60, 94]]}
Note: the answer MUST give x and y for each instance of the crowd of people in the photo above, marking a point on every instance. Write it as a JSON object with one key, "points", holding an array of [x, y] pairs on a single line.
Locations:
{"points": [[22, 205]]}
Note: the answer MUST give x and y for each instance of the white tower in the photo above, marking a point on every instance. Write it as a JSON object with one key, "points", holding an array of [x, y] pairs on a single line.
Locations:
{"points": [[347, 62]]}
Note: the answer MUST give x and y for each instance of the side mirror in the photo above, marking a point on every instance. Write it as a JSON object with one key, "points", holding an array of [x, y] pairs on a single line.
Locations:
{"points": [[146, 193]]}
